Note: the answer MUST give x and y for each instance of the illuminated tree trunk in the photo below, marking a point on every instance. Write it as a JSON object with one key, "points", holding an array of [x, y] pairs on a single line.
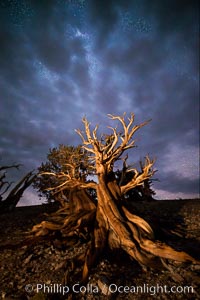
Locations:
{"points": [[117, 228], [108, 221]]}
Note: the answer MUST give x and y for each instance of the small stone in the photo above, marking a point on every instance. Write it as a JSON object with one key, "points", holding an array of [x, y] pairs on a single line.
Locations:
{"points": [[103, 285], [27, 260], [196, 267], [48, 282], [59, 266]]}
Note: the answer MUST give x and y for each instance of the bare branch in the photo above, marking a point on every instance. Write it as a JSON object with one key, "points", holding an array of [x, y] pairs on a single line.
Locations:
{"points": [[72, 184], [114, 142], [6, 186], [128, 132], [67, 182], [9, 167], [22, 184], [139, 178], [107, 150]]}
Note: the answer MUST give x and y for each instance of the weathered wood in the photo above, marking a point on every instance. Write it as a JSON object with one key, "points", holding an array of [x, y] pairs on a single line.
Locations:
{"points": [[14, 196], [108, 221]]}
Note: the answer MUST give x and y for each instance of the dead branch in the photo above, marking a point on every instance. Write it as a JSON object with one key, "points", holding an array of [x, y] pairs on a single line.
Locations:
{"points": [[139, 178], [107, 151]]}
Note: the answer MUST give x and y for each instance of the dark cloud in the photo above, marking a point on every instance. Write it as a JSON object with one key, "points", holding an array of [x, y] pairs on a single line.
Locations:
{"points": [[185, 185], [61, 60], [102, 17], [173, 15]]}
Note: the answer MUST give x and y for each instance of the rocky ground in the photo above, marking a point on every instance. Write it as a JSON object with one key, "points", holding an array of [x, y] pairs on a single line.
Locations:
{"points": [[36, 271]]}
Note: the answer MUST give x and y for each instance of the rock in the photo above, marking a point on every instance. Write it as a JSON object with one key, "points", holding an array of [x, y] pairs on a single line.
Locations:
{"points": [[59, 266], [31, 264], [39, 296], [195, 267], [104, 285], [27, 260]]}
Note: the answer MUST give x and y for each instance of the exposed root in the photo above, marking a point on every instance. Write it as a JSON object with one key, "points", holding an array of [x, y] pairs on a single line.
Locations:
{"points": [[113, 227], [105, 222]]}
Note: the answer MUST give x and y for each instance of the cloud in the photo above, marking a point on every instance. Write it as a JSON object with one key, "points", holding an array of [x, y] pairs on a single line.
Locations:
{"points": [[64, 60], [29, 198]]}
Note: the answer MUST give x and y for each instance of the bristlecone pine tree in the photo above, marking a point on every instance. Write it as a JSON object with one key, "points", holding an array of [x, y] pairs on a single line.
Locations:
{"points": [[104, 222]]}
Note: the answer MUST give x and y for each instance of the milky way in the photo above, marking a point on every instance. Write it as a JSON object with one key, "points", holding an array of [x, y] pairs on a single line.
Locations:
{"points": [[61, 60]]}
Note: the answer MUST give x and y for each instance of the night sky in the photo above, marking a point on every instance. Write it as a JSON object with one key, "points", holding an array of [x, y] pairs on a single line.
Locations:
{"points": [[61, 60]]}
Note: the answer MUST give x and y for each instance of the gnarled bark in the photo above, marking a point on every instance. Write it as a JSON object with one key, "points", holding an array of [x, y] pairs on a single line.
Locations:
{"points": [[108, 221]]}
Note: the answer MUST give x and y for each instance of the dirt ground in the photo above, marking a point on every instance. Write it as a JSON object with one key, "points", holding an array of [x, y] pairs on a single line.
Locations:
{"points": [[36, 271]]}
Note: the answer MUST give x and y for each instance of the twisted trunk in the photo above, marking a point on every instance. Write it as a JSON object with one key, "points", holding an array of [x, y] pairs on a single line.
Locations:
{"points": [[108, 222], [117, 228]]}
